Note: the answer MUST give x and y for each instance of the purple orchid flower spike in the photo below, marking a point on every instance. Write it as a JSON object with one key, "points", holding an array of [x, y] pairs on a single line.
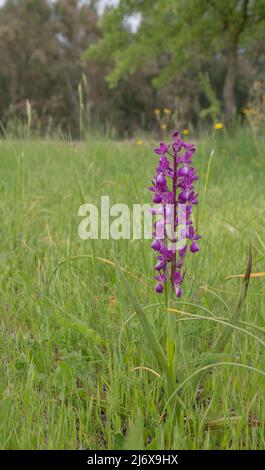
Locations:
{"points": [[174, 202]]}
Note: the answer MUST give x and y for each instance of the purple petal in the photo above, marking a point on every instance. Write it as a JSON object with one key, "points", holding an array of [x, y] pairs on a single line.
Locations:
{"points": [[157, 199], [156, 245], [194, 247], [178, 291], [184, 196], [159, 288]]}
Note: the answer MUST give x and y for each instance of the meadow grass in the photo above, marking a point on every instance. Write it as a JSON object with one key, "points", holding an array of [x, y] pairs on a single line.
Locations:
{"points": [[72, 350]]}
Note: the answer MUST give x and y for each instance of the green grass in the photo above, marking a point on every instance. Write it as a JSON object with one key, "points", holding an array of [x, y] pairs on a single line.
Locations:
{"points": [[68, 348]]}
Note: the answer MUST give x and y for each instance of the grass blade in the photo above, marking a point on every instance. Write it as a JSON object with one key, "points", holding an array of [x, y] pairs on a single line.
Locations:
{"points": [[253, 275], [223, 339], [221, 321], [148, 331], [207, 369]]}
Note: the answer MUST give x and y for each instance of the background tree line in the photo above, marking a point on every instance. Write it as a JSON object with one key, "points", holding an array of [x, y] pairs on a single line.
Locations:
{"points": [[73, 70]]}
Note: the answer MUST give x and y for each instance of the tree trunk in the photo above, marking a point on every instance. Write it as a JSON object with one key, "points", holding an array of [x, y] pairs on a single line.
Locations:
{"points": [[230, 80]]}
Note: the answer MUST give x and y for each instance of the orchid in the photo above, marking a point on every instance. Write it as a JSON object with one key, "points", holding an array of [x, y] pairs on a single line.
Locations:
{"points": [[174, 193]]}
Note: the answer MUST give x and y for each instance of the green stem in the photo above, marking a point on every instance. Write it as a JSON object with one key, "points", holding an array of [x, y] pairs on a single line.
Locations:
{"points": [[171, 323], [152, 341]]}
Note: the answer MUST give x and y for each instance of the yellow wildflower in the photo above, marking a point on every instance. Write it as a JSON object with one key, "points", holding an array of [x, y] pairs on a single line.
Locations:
{"points": [[139, 142], [186, 131], [218, 126], [163, 126], [167, 111], [157, 111]]}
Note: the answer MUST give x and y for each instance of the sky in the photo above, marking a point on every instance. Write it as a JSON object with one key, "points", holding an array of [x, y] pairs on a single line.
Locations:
{"points": [[103, 3]]}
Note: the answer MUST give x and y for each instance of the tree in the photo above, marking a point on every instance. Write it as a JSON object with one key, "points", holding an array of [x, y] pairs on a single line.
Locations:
{"points": [[41, 47], [76, 25], [41, 43], [27, 45], [180, 35]]}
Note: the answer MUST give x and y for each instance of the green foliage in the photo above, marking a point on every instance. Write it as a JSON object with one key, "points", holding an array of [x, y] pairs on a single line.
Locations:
{"points": [[40, 64], [181, 36], [135, 438], [47, 49], [214, 110]]}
